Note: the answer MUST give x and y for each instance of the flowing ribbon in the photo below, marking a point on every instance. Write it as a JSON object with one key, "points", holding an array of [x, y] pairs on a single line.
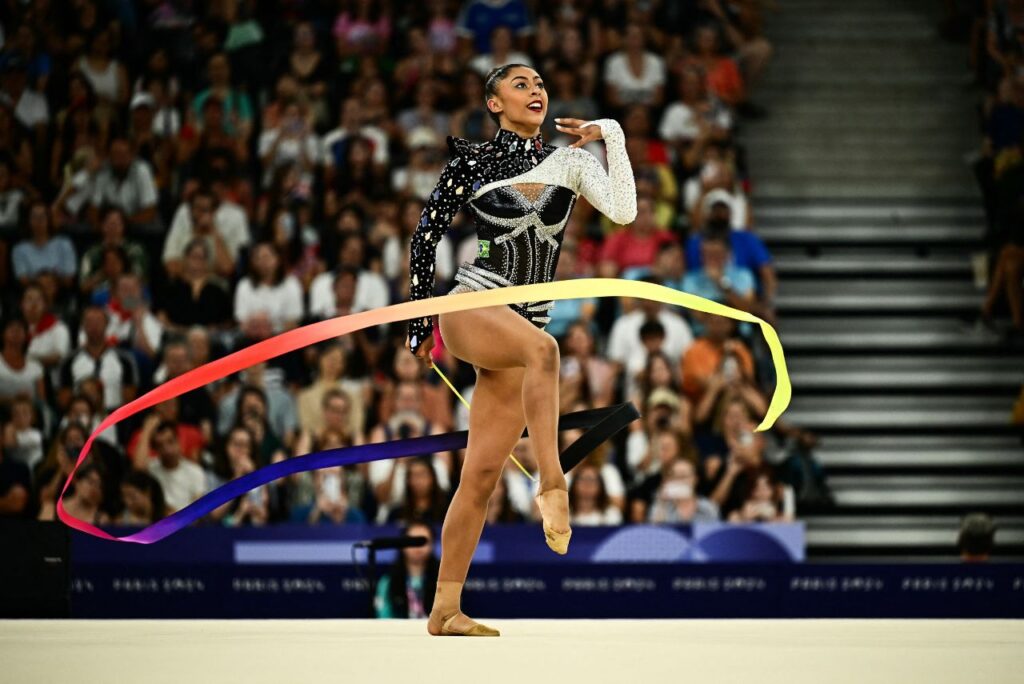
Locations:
{"points": [[343, 325]]}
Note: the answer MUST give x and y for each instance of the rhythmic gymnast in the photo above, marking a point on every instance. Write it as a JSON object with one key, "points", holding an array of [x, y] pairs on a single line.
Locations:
{"points": [[521, 192]]}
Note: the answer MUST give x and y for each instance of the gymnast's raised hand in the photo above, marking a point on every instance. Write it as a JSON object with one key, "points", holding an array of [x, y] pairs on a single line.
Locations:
{"points": [[588, 131]]}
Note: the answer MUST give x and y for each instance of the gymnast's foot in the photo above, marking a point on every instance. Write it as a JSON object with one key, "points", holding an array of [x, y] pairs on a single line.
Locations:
{"points": [[457, 624], [554, 512]]}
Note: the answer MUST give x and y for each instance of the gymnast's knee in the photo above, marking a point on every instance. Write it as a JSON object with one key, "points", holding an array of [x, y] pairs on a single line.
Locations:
{"points": [[479, 484], [544, 354]]}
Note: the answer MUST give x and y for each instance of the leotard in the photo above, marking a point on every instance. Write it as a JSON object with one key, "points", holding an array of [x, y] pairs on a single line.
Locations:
{"points": [[521, 192]]}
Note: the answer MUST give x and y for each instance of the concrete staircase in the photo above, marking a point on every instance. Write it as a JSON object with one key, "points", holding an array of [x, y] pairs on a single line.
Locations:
{"points": [[862, 193]]}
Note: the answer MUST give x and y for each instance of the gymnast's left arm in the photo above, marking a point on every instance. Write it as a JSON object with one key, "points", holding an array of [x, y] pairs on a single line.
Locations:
{"points": [[613, 193]]}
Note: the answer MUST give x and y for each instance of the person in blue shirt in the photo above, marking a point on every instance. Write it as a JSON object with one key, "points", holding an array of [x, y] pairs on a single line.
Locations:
{"points": [[747, 250], [721, 280], [480, 17]]}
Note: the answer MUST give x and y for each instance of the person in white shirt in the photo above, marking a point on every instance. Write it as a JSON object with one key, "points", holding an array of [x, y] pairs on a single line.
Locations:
{"points": [[49, 338], [268, 293], [634, 75], [627, 350], [291, 142], [182, 480], [229, 227], [127, 183], [131, 321], [350, 124], [371, 288]]}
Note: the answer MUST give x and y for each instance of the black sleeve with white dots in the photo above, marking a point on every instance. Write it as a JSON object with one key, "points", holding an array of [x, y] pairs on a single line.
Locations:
{"points": [[450, 194]]}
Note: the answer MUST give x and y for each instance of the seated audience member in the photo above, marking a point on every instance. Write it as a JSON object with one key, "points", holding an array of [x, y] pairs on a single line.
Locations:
{"points": [[190, 438], [976, 539], [84, 503], [44, 251], [269, 294], [726, 473], [94, 273], [196, 296], [19, 374], [720, 280], [22, 439], [371, 289], [143, 500], [635, 246], [677, 500], [49, 337], [407, 590], [253, 507], [15, 487], [133, 325], [715, 360], [763, 499], [182, 480], [423, 499], [628, 351], [221, 225], [332, 363], [588, 499]]}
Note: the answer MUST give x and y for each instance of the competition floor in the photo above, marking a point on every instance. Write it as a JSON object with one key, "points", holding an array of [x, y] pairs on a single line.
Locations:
{"points": [[590, 651]]}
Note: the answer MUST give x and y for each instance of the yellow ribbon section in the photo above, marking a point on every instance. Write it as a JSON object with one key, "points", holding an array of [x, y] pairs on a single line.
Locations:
{"points": [[466, 404], [580, 288]]}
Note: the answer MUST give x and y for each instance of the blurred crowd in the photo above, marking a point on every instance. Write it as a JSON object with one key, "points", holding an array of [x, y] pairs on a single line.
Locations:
{"points": [[997, 60], [179, 180]]}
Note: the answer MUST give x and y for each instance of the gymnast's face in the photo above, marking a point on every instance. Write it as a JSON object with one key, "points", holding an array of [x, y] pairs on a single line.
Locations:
{"points": [[522, 99]]}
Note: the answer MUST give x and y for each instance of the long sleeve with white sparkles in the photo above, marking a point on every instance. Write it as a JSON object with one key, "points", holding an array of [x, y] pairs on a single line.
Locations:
{"points": [[449, 195], [612, 193]]}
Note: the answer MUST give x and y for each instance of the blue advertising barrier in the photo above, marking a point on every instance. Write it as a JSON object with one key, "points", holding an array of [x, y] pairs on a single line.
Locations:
{"points": [[626, 572]]}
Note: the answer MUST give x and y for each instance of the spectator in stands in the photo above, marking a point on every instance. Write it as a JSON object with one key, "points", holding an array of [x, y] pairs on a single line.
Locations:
{"points": [[126, 182], [388, 476], [762, 497], [84, 503], [140, 447], [107, 76], [238, 112], [291, 142], [720, 280], [668, 445], [15, 487], [94, 274], [362, 30], [585, 376], [182, 480], [976, 539], [221, 225], [267, 301], [695, 114], [634, 74], [43, 252], [20, 375], [728, 476], [502, 52], [49, 338], [196, 296], [588, 499], [636, 246], [143, 500], [715, 360], [626, 348], [424, 499], [406, 591], [22, 438], [371, 288], [253, 507], [53, 472], [331, 376], [479, 18], [499, 507], [677, 500]]}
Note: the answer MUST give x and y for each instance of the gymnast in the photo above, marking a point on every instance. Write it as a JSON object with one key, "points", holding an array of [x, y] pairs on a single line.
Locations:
{"points": [[521, 192]]}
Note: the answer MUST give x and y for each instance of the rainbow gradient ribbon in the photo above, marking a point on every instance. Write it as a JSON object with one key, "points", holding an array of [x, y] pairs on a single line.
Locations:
{"points": [[343, 325]]}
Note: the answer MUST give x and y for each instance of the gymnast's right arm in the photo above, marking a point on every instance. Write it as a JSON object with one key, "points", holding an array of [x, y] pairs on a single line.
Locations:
{"points": [[448, 196]]}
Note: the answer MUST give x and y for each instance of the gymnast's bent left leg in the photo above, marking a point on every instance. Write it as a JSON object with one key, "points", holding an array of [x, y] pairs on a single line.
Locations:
{"points": [[496, 421]]}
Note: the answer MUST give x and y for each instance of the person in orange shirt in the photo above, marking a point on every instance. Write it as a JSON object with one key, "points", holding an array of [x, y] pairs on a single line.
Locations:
{"points": [[715, 357]]}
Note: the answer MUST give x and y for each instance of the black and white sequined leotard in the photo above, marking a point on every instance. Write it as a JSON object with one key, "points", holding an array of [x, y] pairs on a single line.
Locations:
{"points": [[519, 233]]}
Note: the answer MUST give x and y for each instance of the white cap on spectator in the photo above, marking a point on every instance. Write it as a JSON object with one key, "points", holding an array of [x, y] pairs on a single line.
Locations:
{"points": [[143, 99], [663, 396], [715, 196], [422, 136]]}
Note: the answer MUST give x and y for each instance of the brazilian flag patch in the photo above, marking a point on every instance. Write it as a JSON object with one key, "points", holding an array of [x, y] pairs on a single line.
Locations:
{"points": [[485, 248]]}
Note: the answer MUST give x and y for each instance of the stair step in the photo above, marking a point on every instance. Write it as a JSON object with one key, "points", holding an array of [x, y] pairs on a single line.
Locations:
{"points": [[933, 458], [899, 412], [903, 373], [922, 491], [842, 265], [788, 212], [865, 234], [886, 334]]}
